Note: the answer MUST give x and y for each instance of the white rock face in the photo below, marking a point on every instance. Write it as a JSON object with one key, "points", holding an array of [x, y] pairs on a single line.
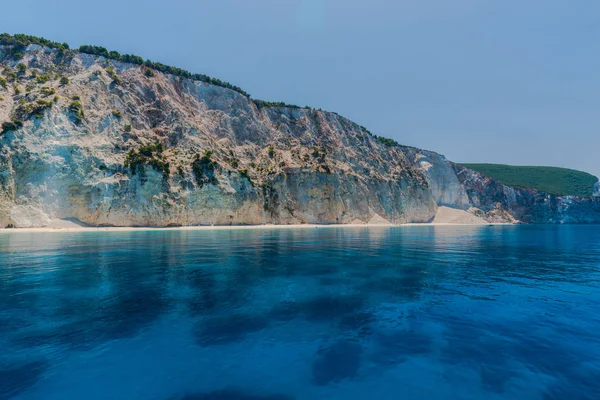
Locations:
{"points": [[443, 182], [596, 189], [229, 162], [166, 151]]}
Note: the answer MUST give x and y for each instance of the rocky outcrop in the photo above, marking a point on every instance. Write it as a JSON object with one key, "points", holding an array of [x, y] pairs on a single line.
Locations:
{"points": [[596, 189], [108, 143], [525, 205]]}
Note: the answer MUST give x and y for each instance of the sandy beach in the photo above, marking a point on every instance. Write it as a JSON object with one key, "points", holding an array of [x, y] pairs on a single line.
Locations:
{"points": [[445, 217]]}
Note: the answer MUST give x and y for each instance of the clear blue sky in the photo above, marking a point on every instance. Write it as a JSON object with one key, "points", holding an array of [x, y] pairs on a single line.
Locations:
{"points": [[507, 81]]}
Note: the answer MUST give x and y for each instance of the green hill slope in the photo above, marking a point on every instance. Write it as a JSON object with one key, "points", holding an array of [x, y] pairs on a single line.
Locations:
{"points": [[559, 181]]}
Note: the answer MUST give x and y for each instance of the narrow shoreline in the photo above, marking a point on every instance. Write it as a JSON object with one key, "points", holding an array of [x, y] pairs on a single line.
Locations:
{"points": [[229, 227]]}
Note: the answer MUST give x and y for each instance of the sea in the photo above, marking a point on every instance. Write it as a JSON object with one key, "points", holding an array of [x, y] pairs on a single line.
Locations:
{"points": [[336, 313]]}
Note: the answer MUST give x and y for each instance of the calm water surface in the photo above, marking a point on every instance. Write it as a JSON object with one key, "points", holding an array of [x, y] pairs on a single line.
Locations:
{"points": [[328, 313]]}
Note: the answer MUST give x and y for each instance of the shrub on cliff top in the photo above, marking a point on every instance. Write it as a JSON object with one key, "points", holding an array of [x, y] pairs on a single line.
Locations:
{"points": [[19, 42], [386, 141], [132, 59], [383, 140], [262, 104]]}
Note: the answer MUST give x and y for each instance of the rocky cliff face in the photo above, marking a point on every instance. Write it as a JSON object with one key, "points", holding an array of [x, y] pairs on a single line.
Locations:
{"points": [[110, 143], [525, 205]]}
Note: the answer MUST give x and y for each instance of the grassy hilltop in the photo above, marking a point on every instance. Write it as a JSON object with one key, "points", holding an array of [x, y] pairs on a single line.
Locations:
{"points": [[559, 181]]}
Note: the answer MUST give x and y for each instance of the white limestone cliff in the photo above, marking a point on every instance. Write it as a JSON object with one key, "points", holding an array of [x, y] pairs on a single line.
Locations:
{"points": [[165, 151]]}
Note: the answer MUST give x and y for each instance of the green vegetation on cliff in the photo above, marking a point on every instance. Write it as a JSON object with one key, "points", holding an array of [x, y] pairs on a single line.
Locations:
{"points": [[10, 126], [262, 104], [554, 180], [204, 169], [147, 155], [17, 44]]}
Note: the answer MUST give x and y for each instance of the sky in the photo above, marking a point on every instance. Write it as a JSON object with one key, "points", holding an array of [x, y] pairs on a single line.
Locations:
{"points": [[501, 81]]}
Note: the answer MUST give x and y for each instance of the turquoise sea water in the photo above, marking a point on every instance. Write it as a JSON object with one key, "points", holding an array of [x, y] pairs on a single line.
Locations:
{"points": [[505, 312]]}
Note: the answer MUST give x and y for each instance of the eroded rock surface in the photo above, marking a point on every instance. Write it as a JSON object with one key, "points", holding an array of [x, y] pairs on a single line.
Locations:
{"points": [[114, 146]]}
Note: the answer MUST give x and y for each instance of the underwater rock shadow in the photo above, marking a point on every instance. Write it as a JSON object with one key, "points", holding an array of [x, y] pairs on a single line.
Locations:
{"points": [[228, 329], [482, 350], [337, 362], [399, 345], [320, 308], [407, 288], [213, 301], [89, 326], [357, 321], [210, 296], [494, 349], [584, 387], [230, 394], [17, 379]]}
